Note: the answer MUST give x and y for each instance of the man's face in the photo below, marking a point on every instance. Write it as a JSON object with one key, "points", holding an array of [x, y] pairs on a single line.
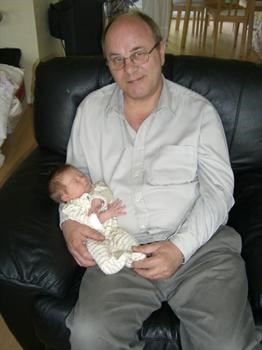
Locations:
{"points": [[124, 37]]}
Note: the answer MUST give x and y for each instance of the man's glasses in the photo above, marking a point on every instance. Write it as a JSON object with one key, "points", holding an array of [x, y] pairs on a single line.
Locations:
{"points": [[138, 57]]}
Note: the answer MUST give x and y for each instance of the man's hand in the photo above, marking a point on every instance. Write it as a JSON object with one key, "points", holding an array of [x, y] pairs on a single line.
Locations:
{"points": [[164, 258], [75, 235]]}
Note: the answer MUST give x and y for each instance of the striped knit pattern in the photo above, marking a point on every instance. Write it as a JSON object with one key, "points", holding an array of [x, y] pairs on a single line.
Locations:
{"points": [[115, 252]]}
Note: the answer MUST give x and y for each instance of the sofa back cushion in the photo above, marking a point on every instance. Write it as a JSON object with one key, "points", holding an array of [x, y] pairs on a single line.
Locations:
{"points": [[60, 86], [233, 87]]}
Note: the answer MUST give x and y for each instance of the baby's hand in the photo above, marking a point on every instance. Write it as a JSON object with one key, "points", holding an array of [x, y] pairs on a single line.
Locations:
{"points": [[117, 208], [96, 206]]}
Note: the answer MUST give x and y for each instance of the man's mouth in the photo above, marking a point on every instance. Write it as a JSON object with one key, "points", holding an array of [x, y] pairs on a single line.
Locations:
{"points": [[135, 80]]}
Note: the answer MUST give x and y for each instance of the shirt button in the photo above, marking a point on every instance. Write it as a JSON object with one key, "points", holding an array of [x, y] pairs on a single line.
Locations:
{"points": [[137, 173], [142, 227], [138, 196]]}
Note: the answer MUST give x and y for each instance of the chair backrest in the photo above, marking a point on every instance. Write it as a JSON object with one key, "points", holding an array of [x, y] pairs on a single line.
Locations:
{"points": [[227, 7], [258, 5], [183, 2]]}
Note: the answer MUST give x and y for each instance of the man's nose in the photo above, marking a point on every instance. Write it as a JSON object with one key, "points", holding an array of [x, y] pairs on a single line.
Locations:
{"points": [[129, 65]]}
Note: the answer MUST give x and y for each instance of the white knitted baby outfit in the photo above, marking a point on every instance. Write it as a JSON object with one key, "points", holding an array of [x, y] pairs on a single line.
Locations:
{"points": [[115, 251]]}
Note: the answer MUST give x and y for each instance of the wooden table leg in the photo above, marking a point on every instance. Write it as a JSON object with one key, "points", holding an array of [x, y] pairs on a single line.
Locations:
{"points": [[186, 21], [251, 17]]}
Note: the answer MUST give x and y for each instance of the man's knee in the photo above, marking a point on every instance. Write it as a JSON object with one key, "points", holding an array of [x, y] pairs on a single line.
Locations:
{"points": [[87, 334], [97, 332]]}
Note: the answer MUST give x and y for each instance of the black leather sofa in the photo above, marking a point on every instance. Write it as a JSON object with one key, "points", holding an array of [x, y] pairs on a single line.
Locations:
{"points": [[39, 279]]}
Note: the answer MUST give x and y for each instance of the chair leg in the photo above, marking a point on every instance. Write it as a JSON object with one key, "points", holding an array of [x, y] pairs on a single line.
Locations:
{"points": [[243, 39], [185, 27], [221, 27], [215, 34], [197, 23], [178, 18], [202, 22], [194, 23], [236, 34], [205, 30], [249, 26]]}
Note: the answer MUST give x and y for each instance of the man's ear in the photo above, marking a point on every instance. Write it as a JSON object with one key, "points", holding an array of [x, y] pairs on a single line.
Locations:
{"points": [[162, 50]]}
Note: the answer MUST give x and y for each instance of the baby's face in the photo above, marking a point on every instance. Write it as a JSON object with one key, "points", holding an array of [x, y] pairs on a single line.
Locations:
{"points": [[76, 184]]}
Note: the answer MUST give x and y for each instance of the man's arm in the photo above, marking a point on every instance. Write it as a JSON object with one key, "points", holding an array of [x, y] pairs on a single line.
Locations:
{"points": [[216, 183], [76, 234], [215, 178]]}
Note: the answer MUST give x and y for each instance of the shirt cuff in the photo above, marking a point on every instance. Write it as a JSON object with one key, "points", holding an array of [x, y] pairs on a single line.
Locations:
{"points": [[186, 243]]}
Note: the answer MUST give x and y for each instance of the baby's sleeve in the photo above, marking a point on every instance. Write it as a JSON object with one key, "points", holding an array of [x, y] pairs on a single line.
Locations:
{"points": [[103, 192], [79, 214]]}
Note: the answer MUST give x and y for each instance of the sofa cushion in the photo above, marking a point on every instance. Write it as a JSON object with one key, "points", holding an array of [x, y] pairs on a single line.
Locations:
{"points": [[62, 91], [33, 252], [246, 218]]}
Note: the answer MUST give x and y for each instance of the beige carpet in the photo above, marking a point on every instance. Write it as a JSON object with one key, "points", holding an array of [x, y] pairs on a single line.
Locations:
{"points": [[8, 341]]}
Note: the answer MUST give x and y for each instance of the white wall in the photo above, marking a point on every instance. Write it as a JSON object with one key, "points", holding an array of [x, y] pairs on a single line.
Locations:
{"points": [[47, 45], [25, 25]]}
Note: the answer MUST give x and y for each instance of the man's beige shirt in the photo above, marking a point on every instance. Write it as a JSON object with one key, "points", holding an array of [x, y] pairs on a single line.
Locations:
{"points": [[173, 174]]}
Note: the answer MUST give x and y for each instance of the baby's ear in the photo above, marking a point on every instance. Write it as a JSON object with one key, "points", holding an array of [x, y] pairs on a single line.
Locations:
{"points": [[65, 198]]}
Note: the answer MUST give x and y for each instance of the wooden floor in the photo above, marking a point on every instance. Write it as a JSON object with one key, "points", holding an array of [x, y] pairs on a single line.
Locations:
{"points": [[194, 46], [20, 143], [8, 342]]}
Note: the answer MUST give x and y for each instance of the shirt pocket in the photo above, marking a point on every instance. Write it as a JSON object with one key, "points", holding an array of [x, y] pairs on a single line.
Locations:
{"points": [[173, 165]]}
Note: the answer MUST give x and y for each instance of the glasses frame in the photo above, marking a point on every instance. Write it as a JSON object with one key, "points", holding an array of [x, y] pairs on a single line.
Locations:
{"points": [[148, 53]]}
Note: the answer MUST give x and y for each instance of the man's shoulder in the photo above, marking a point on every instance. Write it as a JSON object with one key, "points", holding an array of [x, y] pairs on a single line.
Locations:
{"points": [[95, 104], [177, 88], [187, 97], [101, 94]]}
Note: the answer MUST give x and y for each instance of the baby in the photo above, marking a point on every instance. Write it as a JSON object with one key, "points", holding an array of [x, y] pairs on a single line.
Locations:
{"points": [[93, 205]]}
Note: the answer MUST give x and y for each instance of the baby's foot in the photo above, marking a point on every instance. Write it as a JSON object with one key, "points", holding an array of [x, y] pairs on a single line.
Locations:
{"points": [[134, 256]]}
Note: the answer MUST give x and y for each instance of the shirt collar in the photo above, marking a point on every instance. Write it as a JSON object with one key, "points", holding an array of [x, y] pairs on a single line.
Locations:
{"points": [[165, 100], [116, 102]]}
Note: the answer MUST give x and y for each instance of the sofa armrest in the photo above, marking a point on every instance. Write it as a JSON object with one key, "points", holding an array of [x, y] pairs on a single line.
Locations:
{"points": [[33, 252], [246, 218]]}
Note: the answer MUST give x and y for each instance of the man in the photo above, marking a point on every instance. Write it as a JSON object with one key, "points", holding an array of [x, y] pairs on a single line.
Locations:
{"points": [[162, 150]]}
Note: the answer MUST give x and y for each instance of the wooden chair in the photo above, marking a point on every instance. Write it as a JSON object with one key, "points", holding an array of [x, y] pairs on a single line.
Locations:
{"points": [[196, 7], [220, 11], [254, 6]]}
